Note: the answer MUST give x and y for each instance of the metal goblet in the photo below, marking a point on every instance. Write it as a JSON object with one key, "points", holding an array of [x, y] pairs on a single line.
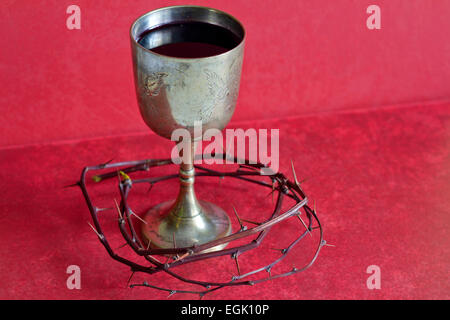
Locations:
{"points": [[179, 92]]}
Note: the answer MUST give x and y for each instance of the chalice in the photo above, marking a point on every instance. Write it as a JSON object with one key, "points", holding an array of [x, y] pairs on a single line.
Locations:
{"points": [[187, 64]]}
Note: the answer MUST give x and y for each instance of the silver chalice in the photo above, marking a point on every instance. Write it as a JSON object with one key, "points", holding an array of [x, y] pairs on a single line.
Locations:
{"points": [[187, 66]]}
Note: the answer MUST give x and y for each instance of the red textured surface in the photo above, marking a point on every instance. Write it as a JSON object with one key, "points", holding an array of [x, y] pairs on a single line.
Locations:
{"points": [[380, 179], [379, 172], [301, 57]]}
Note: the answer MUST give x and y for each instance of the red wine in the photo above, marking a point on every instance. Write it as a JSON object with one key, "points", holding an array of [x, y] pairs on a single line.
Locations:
{"points": [[189, 40], [189, 50]]}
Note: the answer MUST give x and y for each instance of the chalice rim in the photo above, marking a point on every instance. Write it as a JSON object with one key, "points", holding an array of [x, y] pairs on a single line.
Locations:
{"points": [[137, 44]]}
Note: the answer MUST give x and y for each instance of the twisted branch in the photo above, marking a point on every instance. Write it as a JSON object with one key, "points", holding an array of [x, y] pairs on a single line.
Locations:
{"points": [[179, 256]]}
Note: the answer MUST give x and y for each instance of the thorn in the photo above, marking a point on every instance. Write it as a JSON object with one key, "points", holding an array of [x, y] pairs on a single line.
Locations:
{"points": [[171, 293], [293, 172], [239, 219], [95, 230], [304, 224], [134, 214], [273, 190], [324, 243], [252, 222], [76, 184], [129, 279], [182, 257], [148, 246], [150, 188], [157, 260], [123, 245], [243, 166], [269, 270], [107, 162], [237, 264], [118, 209], [271, 193], [295, 176]]}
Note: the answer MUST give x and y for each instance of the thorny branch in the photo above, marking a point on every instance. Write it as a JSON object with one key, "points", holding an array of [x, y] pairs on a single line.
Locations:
{"points": [[182, 255]]}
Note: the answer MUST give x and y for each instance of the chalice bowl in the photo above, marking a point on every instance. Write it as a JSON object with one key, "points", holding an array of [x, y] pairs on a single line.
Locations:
{"points": [[187, 64]]}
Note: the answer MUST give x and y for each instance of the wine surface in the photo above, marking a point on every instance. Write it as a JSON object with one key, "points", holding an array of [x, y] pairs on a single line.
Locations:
{"points": [[189, 40]]}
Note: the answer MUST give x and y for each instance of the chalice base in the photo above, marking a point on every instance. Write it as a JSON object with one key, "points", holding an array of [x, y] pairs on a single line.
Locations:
{"points": [[164, 229]]}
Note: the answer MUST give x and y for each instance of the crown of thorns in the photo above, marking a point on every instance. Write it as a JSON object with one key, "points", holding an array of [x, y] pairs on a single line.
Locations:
{"points": [[280, 186]]}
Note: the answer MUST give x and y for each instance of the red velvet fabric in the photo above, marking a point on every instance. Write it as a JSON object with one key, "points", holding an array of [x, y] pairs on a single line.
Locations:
{"points": [[380, 180], [345, 99], [302, 57]]}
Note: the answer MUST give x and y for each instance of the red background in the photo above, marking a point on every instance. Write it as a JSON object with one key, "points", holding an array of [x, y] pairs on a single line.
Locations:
{"points": [[364, 113]]}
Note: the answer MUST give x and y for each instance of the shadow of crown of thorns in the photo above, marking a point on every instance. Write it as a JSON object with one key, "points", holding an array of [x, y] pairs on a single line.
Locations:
{"points": [[249, 172]]}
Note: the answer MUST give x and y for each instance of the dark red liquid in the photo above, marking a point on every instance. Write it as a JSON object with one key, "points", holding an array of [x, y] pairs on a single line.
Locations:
{"points": [[189, 50], [189, 40]]}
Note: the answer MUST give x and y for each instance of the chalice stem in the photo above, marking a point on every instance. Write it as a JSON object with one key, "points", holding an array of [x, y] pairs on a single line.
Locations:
{"points": [[186, 204], [187, 220]]}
